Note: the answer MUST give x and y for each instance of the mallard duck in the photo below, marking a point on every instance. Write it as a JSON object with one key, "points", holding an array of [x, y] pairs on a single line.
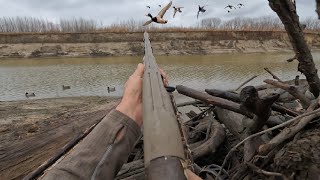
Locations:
{"points": [[201, 9], [111, 89], [65, 87], [176, 9], [159, 17], [230, 7], [30, 95]]}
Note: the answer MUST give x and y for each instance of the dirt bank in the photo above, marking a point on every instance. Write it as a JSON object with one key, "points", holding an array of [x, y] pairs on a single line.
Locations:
{"points": [[124, 44], [32, 131]]}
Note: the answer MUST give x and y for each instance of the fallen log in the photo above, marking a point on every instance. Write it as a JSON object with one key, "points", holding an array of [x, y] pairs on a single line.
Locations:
{"points": [[212, 100], [292, 90], [236, 98], [211, 145]]}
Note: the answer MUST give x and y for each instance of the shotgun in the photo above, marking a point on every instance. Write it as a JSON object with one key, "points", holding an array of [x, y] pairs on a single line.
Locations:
{"points": [[164, 152]]}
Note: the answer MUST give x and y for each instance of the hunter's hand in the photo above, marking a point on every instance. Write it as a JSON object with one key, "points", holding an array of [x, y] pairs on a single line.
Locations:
{"points": [[131, 103]]}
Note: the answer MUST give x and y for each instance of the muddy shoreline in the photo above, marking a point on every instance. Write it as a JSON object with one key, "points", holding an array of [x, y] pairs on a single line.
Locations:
{"points": [[31, 45], [33, 131]]}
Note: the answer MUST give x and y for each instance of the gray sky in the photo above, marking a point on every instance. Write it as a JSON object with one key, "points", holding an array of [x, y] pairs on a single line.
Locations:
{"points": [[113, 11]]}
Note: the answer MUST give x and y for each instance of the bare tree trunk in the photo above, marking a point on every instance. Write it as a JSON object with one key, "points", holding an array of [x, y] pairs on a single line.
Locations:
{"points": [[318, 8], [288, 15]]}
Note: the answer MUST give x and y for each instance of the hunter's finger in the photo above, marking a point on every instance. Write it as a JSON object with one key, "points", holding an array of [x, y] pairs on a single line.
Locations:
{"points": [[139, 71]]}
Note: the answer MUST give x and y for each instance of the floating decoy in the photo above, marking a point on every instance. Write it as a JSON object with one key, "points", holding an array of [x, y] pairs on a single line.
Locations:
{"points": [[159, 18], [111, 89], [176, 9], [230, 7], [65, 87], [30, 95], [201, 9]]}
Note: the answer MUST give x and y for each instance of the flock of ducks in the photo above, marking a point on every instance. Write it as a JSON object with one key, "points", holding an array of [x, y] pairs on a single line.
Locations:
{"points": [[29, 95], [201, 9]]}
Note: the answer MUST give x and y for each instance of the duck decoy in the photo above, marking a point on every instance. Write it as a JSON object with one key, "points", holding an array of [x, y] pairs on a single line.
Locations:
{"points": [[65, 87], [230, 7], [111, 89], [176, 9], [30, 95], [159, 18], [201, 9]]}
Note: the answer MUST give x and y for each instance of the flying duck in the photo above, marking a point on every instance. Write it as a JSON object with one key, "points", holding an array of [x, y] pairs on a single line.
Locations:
{"points": [[230, 7], [176, 9], [159, 5], [159, 18], [240, 5], [148, 7], [201, 9]]}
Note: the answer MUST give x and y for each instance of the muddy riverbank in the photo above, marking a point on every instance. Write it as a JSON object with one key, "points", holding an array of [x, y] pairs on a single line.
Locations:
{"points": [[33, 131], [130, 44]]}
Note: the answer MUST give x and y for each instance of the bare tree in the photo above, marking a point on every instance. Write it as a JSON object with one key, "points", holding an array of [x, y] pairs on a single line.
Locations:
{"points": [[288, 15]]}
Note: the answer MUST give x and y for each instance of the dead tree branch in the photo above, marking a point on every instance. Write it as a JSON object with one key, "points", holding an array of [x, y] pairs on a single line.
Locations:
{"points": [[292, 90], [216, 137], [265, 131], [232, 106], [288, 15], [236, 98], [288, 133], [273, 75], [246, 82], [318, 8], [267, 173]]}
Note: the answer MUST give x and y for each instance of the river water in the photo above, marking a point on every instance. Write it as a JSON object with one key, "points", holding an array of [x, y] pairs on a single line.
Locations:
{"points": [[91, 76]]}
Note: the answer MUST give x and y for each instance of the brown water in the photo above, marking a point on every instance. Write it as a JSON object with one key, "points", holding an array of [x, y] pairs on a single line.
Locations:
{"points": [[92, 76]]}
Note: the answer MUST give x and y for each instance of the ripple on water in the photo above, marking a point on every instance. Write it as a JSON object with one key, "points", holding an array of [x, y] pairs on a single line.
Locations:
{"points": [[92, 76]]}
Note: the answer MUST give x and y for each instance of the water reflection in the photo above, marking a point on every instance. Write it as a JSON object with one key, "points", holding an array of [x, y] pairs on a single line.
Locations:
{"points": [[92, 76]]}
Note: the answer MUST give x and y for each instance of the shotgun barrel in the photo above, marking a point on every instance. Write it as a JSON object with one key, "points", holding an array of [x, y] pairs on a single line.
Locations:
{"points": [[164, 154]]}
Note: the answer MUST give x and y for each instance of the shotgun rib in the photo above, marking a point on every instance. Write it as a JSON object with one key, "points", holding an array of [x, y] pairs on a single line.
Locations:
{"points": [[163, 147]]}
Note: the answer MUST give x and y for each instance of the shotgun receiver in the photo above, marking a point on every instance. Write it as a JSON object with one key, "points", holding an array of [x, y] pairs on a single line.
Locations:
{"points": [[164, 154]]}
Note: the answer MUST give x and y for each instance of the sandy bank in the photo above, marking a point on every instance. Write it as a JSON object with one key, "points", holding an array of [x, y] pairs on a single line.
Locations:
{"points": [[130, 44], [32, 131]]}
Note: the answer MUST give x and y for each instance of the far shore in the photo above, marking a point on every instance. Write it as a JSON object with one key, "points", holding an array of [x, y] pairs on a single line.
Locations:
{"points": [[106, 44]]}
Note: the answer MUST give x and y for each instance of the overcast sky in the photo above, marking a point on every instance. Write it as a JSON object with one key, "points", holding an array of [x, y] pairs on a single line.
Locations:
{"points": [[113, 11]]}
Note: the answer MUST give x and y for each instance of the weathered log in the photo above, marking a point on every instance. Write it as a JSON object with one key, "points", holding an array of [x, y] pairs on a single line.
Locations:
{"points": [[236, 98], [288, 15], [232, 106], [251, 102], [292, 90], [273, 75], [211, 145]]}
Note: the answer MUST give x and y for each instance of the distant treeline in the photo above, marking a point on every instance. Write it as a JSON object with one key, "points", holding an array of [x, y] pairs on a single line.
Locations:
{"points": [[30, 24]]}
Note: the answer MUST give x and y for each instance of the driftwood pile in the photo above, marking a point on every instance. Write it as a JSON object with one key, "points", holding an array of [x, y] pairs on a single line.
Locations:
{"points": [[262, 132]]}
